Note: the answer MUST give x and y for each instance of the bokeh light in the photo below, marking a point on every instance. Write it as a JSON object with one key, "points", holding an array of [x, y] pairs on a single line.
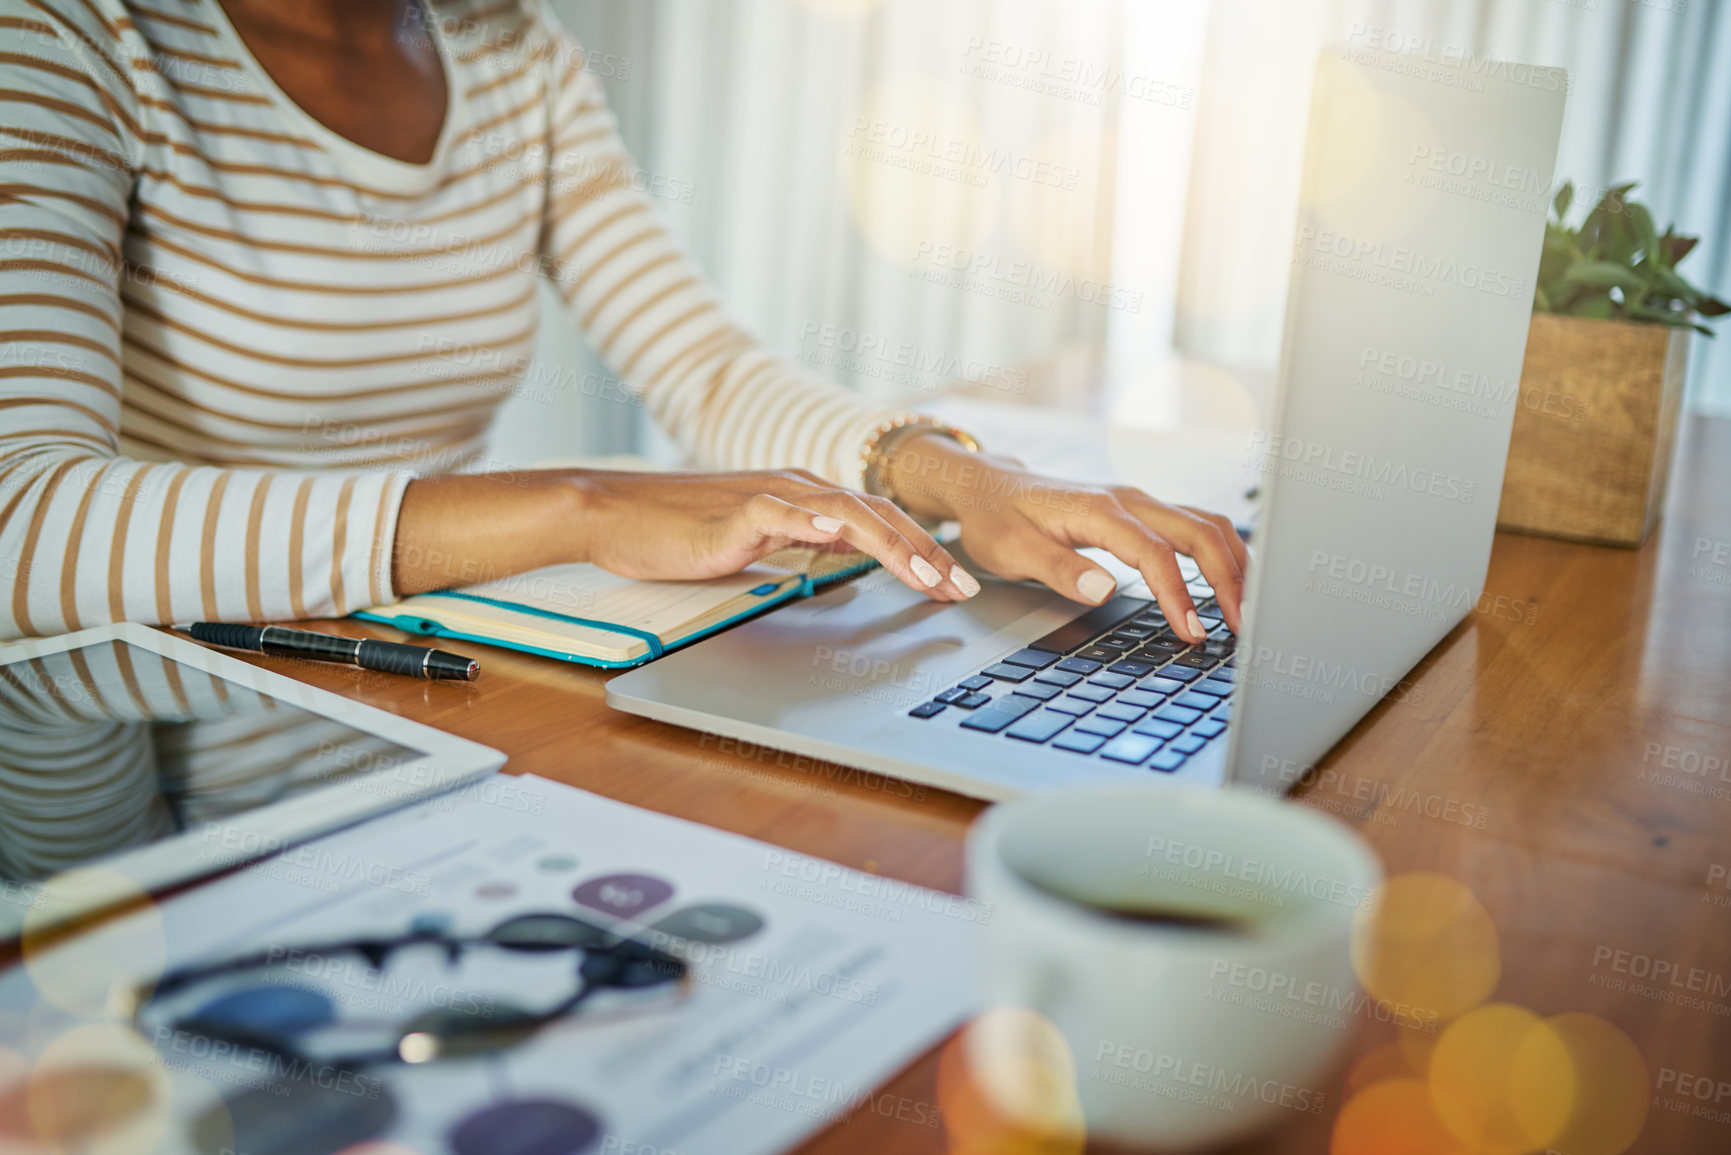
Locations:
{"points": [[1007, 1086], [1393, 1117], [83, 973], [96, 1089], [1485, 1098], [1609, 1076], [1426, 947]]}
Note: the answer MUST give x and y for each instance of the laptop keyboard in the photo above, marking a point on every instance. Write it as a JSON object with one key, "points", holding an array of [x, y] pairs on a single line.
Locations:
{"points": [[1115, 683]]}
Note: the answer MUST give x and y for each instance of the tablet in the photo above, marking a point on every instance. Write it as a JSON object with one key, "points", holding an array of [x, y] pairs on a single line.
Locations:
{"points": [[131, 760]]}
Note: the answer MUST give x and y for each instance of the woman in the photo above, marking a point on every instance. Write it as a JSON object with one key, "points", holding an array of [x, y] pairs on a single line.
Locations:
{"points": [[268, 273]]}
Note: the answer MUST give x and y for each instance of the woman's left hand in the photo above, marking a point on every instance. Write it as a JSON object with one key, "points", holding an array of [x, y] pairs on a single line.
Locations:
{"points": [[1020, 525]]}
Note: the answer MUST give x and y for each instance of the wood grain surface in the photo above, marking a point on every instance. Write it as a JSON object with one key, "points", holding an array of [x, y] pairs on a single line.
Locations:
{"points": [[1553, 710]]}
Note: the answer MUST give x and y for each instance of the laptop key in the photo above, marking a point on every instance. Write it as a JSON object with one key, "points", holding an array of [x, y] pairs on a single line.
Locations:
{"points": [[1188, 744], [1112, 681], [1182, 673], [1044, 691], [926, 710], [1007, 673], [1190, 699], [1160, 728], [1162, 685], [973, 701], [1078, 743], [1061, 678], [1167, 760], [1098, 654], [1038, 727], [1091, 693], [1142, 699], [1080, 666], [1121, 711], [1130, 748], [1213, 687], [1070, 705], [1224, 713], [1098, 725], [977, 682], [1208, 727], [953, 695], [1135, 667], [1225, 673], [1033, 659], [1179, 714], [1000, 713], [1197, 660], [1080, 631]]}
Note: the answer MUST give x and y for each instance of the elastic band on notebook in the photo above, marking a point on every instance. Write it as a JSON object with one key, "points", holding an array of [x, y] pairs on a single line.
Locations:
{"points": [[655, 650]]}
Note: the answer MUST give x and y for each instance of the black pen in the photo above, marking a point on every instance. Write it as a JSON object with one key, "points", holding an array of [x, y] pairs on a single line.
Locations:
{"points": [[391, 657]]}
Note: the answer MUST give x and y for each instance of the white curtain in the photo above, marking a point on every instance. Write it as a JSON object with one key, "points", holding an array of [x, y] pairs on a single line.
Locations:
{"points": [[1649, 100], [901, 192]]}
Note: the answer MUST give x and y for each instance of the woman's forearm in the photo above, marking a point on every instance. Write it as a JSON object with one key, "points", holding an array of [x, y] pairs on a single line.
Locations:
{"points": [[462, 529]]}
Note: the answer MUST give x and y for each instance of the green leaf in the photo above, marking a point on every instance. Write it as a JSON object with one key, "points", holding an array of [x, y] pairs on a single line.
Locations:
{"points": [[1598, 307], [1541, 303], [1669, 283], [1641, 224], [1605, 274], [1711, 307], [1565, 197]]}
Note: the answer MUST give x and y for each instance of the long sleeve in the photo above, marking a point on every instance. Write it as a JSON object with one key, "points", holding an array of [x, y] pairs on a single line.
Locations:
{"points": [[646, 308], [87, 534]]}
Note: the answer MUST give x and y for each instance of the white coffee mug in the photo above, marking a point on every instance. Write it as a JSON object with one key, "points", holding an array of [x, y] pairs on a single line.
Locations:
{"points": [[1191, 945]]}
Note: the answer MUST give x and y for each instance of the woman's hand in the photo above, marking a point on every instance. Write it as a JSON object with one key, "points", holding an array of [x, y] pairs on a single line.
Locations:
{"points": [[462, 529], [701, 525], [1020, 525]]}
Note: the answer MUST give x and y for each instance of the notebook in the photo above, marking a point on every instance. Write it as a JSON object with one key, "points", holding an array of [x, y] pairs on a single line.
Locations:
{"points": [[582, 613]]}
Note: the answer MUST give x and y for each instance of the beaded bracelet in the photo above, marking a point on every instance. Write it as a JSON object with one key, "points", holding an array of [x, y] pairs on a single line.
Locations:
{"points": [[879, 450]]}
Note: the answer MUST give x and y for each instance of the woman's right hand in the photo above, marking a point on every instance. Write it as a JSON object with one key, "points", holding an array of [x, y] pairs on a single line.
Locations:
{"points": [[676, 526]]}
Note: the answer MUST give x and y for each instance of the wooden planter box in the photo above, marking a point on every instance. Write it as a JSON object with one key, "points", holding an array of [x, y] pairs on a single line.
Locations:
{"points": [[1594, 426]]}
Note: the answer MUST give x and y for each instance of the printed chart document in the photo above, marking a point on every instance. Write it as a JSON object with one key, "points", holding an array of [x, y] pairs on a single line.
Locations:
{"points": [[808, 985]]}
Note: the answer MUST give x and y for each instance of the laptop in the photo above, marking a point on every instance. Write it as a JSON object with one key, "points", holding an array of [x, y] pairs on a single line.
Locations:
{"points": [[1424, 196]]}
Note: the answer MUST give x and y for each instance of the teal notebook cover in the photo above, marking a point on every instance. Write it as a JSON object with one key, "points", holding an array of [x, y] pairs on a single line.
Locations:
{"points": [[413, 623]]}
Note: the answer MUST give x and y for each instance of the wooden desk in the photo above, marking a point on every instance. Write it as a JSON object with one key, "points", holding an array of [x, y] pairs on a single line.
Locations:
{"points": [[1545, 709]]}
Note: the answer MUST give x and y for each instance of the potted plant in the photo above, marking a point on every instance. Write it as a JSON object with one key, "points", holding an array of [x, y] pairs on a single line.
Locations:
{"points": [[1603, 377]]}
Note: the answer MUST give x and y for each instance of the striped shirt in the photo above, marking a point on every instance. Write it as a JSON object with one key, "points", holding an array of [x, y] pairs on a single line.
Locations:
{"points": [[230, 337]]}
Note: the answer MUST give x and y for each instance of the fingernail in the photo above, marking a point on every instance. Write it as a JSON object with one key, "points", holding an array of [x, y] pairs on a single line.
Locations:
{"points": [[1095, 586], [925, 571], [964, 581], [826, 524], [1195, 624]]}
